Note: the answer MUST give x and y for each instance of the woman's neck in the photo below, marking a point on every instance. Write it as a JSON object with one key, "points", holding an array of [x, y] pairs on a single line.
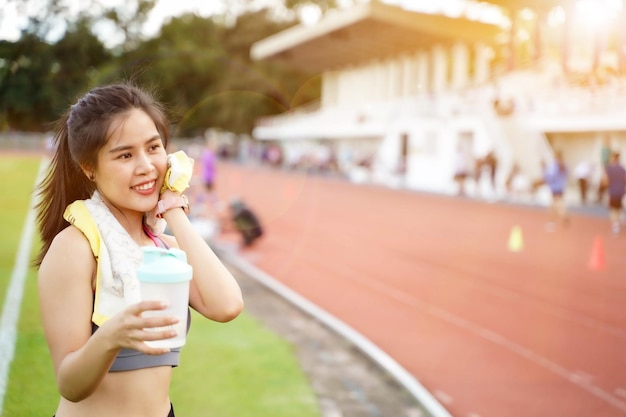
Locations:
{"points": [[131, 221]]}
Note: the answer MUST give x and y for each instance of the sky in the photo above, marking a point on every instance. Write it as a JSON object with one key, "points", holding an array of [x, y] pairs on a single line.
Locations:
{"points": [[13, 20]]}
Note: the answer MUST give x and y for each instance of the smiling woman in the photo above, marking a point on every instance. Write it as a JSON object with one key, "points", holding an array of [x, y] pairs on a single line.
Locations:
{"points": [[97, 211]]}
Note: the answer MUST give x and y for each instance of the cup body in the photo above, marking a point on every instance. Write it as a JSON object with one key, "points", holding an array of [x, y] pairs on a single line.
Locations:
{"points": [[164, 275], [176, 295]]}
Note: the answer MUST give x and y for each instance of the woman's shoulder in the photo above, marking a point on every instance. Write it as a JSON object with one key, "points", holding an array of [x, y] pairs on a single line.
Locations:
{"points": [[69, 256], [72, 240]]}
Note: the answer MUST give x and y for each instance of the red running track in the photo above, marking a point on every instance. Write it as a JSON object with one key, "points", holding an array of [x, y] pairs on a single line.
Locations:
{"points": [[430, 279]]}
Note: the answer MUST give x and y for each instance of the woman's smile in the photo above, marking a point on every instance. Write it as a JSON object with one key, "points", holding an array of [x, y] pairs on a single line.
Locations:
{"points": [[145, 188]]}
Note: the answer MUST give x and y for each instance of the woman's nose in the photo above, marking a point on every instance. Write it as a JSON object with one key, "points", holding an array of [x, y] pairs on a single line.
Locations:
{"points": [[144, 164]]}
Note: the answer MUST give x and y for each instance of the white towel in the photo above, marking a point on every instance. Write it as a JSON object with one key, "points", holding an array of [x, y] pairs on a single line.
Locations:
{"points": [[117, 255]]}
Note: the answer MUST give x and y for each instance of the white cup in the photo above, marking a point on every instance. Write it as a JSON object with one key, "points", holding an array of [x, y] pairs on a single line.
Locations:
{"points": [[164, 276]]}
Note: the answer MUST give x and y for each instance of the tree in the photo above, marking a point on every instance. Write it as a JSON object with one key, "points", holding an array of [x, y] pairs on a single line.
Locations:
{"points": [[78, 57], [184, 63], [37, 79], [52, 18], [324, 5], [130, 19], [203, 70], [255, 89], [25, 91], [200, 66]]}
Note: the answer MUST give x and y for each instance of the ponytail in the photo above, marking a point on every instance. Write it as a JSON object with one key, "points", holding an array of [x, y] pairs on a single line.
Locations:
{"points": [[63, 184]]}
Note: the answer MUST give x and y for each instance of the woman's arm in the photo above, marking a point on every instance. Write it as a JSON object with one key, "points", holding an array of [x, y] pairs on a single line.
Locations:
{"points": [[213, 292], [81, 360]]}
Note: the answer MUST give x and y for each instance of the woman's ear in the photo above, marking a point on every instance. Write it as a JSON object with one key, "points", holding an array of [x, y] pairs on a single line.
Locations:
{"points": [[89, 172]]}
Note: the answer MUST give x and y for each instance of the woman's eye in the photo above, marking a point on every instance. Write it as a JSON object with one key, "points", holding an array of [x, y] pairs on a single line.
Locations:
{"points": [[155, 147], [125, 156]]}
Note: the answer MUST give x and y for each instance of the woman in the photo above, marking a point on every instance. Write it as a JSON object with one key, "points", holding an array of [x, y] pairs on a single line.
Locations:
{"points": [[110, 151], [615, 180]]}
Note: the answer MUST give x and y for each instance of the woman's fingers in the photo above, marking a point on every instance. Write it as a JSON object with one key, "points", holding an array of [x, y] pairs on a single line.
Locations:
{"points": [[146, 322], [157, 321]]}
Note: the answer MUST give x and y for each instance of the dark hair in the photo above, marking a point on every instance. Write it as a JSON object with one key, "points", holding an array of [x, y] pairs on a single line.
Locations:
{"points": [[79, 135]]}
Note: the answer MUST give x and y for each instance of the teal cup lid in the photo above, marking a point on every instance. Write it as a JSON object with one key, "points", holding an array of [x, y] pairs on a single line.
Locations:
{"points": [[165, 266]]}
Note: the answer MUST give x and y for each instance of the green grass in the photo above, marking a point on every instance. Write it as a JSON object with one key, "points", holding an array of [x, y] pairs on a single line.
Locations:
{"points": [[31, 390], [239, 369], [236, 369]]}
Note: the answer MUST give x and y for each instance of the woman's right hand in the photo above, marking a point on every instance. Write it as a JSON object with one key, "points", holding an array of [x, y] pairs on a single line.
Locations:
{"points": [[131, 327]]}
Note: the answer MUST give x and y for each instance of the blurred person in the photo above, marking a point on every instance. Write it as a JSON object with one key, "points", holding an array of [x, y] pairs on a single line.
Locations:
{"points": [[582, 172], [207, 199], [615, 179], [514, 174], [504, 107], [208, 167], [605, 157], [488, 164], [274, 155], [555, 175], [461, 169], [111, 161], [490, 161], [245, 221]]}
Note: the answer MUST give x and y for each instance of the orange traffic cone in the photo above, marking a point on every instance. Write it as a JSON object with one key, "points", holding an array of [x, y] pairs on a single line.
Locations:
{"points": [[516, 242], [596, 260]]}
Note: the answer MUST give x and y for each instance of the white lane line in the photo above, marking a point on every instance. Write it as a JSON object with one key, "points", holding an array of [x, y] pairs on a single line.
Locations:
{"points": [[496, 338], [581, 375], [13, 298], [620, 392]]}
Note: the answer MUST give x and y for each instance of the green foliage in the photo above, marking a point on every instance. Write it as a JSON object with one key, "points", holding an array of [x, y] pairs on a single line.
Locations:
{"points": [[130, 23], [184, 63], [25, 89], [38, 80], [204, 72], [324, 5], [200, 67], [77, 57]]}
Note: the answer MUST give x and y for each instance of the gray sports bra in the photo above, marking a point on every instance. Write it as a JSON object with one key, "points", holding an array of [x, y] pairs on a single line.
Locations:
{"points": [[130, 359]]}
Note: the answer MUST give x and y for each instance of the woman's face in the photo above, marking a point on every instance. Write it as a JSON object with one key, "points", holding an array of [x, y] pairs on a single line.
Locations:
{"points": [[132, 164]]}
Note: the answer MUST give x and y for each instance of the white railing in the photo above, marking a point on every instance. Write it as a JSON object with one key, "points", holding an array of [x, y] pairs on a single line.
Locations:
{"points": [[532, 95]]}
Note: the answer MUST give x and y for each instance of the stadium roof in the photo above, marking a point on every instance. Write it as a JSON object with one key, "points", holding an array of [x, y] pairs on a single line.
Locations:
{"points": [[365, 32]]}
